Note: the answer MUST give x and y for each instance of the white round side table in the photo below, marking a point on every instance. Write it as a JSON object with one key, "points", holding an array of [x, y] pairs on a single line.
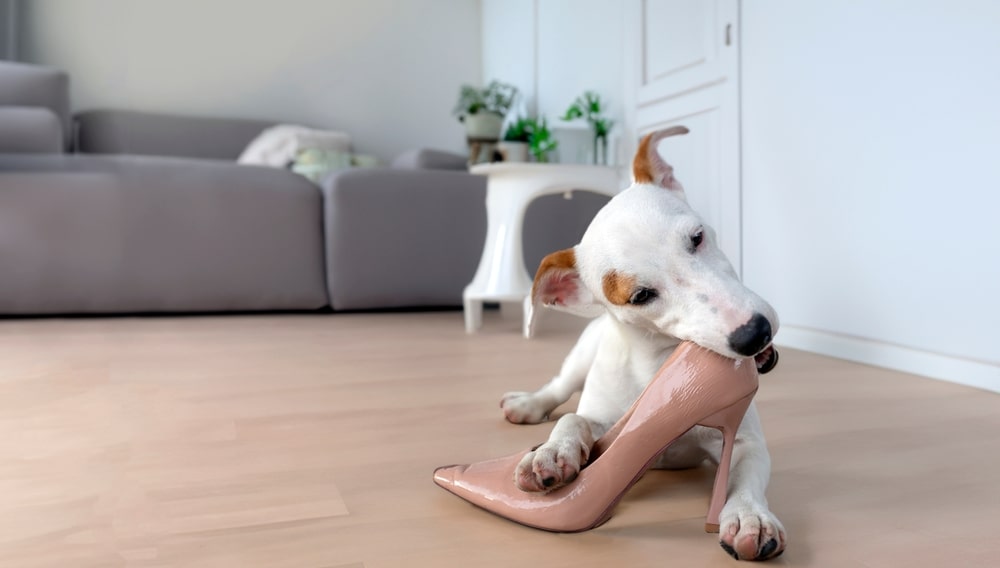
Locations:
{"points": [[501, 276]]}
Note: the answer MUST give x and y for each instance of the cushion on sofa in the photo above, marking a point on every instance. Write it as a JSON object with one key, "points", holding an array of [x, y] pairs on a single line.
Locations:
{"points": [[279, 146], [35, 130]]}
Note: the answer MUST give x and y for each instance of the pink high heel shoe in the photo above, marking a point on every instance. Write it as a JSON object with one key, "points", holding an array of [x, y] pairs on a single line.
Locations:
{"points": [[694, 386]]}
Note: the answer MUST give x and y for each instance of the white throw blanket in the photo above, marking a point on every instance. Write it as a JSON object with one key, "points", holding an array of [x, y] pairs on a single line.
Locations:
{"points": [[279, 145]]}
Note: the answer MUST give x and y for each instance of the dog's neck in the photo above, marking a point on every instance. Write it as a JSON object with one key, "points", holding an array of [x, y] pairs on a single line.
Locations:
{"points": [[646, 343]]}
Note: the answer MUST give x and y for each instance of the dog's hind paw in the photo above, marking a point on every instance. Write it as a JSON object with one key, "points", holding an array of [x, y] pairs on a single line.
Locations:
{"points": [[526, 407], [751, 532]]}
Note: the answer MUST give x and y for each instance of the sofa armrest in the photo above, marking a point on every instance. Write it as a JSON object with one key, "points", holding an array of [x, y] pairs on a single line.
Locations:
{"points": [[28, 129], [402, 238], [35, 86], [150, 134]]}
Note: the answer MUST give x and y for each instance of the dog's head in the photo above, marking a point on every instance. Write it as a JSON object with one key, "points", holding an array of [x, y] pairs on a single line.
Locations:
{"points": [[650, 261]]}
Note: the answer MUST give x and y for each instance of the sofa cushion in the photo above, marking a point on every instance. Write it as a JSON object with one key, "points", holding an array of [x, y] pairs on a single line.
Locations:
{"points": [[402, 239], [102, 234], [35, 130]]}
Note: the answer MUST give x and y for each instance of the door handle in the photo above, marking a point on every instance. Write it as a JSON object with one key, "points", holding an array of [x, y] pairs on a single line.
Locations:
{"points": [[729, 37]]}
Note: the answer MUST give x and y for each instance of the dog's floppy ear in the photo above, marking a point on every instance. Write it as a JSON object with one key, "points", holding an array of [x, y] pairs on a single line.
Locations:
{"points": [[649, 167], [557, 285]]}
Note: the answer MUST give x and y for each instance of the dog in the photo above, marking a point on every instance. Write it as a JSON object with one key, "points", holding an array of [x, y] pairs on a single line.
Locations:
{"points": [[652, 274]]}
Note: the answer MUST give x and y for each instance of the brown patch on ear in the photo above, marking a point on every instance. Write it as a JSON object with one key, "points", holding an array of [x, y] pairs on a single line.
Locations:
{"points": [[565, 258], [648, 166], [642, 170], [617, 287], [560, 260]]}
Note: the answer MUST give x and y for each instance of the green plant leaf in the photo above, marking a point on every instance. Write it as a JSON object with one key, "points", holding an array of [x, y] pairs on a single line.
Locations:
{"points": [[520, 130], [495, 97], [541, 143], [573, 113]]}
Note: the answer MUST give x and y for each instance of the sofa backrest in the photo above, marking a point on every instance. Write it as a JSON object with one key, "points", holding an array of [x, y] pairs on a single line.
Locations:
{"points": [[25, 87], [428, 159], [151, 134]]}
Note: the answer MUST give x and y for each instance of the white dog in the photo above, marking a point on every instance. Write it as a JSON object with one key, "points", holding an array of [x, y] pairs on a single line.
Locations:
{"points": [[653, 272]]}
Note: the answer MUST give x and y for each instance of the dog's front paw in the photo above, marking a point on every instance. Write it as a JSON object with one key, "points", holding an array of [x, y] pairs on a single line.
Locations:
{"points": [[551, 465], [750, 532], [525, 407]]}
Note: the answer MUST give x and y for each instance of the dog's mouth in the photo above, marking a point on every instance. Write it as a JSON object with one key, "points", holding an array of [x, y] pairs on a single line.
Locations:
{"points": [[766, 359]]}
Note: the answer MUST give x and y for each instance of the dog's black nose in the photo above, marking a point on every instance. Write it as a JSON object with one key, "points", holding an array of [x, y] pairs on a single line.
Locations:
{"points": [[751, 337]]}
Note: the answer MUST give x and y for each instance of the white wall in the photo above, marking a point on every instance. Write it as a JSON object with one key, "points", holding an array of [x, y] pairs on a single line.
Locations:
{"points": [[553, 51], [8, 29], [579, 48], [870, 186], [509, 50], [386, 71]]}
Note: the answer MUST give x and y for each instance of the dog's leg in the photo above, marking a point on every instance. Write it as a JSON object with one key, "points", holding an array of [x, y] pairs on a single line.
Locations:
{"points": [[558, 461], [534, 407], [747, 528]]}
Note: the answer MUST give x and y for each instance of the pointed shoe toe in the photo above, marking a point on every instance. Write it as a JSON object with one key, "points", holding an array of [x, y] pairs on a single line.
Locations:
{"points": [[490, 485], [444, 476]]}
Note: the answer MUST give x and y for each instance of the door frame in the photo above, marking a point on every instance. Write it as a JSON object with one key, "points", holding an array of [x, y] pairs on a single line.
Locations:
{"points": [[648, 111]]}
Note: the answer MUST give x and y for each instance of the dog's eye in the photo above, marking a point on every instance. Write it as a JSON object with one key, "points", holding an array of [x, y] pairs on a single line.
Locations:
{"points": [[642, 296], [697, 238]]}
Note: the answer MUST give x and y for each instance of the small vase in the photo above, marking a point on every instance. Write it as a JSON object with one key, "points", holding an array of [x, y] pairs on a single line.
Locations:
{"points": [[513, 151], [600, 155], [483, 125]]}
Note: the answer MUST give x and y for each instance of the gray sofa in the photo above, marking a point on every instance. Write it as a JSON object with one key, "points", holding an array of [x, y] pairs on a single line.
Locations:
{"points": [[101, 234], [126, 212]]}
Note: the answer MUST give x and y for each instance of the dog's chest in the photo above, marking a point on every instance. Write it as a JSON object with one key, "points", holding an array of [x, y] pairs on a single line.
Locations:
{"points": [[637, 372]]}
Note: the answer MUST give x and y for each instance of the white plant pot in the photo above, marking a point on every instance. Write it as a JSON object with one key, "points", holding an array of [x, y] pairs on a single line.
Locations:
{"points": [[483, 125], [514, 151]]}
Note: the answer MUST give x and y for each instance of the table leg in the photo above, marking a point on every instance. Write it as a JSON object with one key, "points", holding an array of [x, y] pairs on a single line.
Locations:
{"points": [[501, 276], [473, 314]]}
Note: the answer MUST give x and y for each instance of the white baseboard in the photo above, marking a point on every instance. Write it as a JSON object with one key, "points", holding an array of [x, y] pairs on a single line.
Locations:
{"points": [[871, 352]]}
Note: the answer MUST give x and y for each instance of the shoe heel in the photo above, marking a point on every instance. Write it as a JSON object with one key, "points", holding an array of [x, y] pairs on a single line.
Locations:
{"points": [[728, 421]]}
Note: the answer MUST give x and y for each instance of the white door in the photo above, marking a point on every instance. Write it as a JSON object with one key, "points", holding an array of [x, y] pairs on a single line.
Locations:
{"points": [[683, 68]]}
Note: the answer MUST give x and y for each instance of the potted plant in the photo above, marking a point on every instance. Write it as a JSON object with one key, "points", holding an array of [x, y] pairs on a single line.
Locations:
{"points": [[541, 143], [483, 110], [588, 106], [517, 137]]}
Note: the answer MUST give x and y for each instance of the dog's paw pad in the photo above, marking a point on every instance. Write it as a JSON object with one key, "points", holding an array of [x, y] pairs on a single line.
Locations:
{"points": [[751, 533], [550, 466]]}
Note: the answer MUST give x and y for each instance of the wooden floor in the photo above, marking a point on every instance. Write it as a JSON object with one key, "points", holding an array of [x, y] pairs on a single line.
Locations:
{"points": [[309, 441]]}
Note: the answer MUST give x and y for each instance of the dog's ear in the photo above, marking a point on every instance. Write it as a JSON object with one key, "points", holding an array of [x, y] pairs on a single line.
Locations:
{"points": [[557, 285], [649, 167]]}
